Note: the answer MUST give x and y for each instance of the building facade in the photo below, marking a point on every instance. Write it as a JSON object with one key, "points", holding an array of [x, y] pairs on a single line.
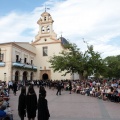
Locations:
{"points": [[25, 61]]}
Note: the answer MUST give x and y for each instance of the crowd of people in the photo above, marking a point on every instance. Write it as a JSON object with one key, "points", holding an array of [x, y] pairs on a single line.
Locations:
{"points": [[102, 89], [5, 110], [28, 103], [105, 90]]}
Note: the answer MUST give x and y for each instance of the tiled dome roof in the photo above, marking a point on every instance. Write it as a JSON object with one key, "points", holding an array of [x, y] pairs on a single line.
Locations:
{"points": [[63, 41]]}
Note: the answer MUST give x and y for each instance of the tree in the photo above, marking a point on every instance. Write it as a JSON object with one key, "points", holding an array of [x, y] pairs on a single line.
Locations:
{"points": [[94, 64], [72, 60], [112, 66]]}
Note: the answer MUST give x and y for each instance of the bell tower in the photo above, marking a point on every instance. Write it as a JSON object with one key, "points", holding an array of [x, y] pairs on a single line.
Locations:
{"points": [[45, 23], [45, 27]]}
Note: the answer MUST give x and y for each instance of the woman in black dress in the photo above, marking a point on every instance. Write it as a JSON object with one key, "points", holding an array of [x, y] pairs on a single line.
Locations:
{"points": [[43, 112], [31, 103], [22, 103]]}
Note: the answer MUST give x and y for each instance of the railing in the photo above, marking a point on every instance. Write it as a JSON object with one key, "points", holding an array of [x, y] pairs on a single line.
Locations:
{"points": [[2, 64], [24, 66], [17, 64]]}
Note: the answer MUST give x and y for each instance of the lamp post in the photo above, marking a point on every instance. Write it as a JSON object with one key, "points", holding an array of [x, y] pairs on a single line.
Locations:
{"points": [[4, 76]]}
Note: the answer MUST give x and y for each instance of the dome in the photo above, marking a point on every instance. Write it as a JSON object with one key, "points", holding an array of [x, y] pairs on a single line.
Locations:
{"points": [[45, 14], [64, 41]]}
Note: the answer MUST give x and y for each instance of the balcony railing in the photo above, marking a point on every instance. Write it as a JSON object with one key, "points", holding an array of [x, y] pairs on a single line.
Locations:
{"points": [[17, 64], [24, 66], [2, 64]]}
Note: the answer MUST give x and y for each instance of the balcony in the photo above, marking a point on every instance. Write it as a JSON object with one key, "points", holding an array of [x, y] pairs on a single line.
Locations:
{"points": [[2, 64], [24, 66], [35, 67], [17, 64]]}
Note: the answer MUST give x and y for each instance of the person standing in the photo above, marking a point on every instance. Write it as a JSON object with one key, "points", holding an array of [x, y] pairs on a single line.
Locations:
{"points": [[22, 103], [31, 103], [70, 86], [10, 85], [58, 88], [14, 87], [43, 111]]}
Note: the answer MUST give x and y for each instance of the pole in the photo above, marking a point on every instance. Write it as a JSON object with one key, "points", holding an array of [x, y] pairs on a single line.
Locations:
{"points": [[4, 76]]}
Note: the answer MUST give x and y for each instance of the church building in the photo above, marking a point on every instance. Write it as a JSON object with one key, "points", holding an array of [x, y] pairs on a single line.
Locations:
{"points": [[29, 61]]}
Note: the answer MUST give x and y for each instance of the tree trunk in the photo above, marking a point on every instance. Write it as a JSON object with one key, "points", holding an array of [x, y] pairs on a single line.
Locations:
{"points": [[81, 77]]}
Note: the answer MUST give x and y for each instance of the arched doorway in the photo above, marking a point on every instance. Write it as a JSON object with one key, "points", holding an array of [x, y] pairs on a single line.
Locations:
{"points": [[17, 76], [45, 76], [24, 76], [31, 76]]}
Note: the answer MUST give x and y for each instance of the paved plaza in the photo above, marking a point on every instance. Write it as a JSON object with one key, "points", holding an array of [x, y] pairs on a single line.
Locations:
{"points": [[73, 107]]}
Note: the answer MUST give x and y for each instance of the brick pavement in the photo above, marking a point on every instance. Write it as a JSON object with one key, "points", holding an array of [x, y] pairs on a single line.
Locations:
{"points": [[73, 107]]}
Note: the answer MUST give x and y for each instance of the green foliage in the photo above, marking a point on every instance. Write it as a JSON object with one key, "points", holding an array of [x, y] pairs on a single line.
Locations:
{"points": [[112, 66], [93, 63], [72, 60]]}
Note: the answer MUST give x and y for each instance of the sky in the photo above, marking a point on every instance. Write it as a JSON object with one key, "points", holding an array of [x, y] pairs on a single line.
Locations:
{"points": [[95, 21]]}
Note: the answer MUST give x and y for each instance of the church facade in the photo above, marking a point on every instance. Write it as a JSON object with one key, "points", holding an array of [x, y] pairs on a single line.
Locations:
{"points": [[29, 61]]}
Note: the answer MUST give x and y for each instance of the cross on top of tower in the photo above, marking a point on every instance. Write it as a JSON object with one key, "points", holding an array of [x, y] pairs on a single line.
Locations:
{"points": [[46, 8]]}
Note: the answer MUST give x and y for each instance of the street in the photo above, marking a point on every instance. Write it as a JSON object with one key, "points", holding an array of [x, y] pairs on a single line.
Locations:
{"points": [[73, 106]]}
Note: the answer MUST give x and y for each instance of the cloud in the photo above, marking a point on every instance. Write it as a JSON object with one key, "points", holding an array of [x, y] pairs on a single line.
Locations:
{"points": [[97, 21], [12, 25]]}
